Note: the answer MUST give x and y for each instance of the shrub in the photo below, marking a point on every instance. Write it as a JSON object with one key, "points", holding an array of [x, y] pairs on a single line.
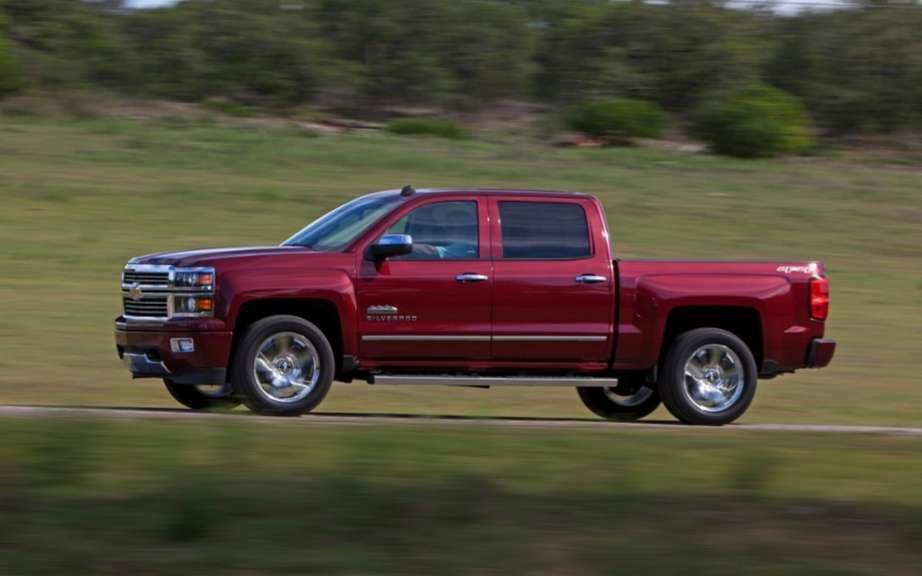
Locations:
{"points": [[228, 107], [10, 80], [441, 127], [756, 121], [618, 120]]}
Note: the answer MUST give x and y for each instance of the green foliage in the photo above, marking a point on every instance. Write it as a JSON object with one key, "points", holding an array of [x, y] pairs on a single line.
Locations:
{"points": [[756, 121], [619, 120], [416, 500], [63, 454], [752, 472], [669, 54], [10, 79], [228, 107], [194, 508], [442, 127], [67, 44], [857, 70]]}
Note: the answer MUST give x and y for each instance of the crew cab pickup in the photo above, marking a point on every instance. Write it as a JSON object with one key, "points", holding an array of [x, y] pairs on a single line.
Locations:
{"points": [[469, 287]]}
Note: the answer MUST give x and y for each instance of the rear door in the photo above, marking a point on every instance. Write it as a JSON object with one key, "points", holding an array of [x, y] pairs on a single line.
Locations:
{"points": [[553, 283], [434, 303]]}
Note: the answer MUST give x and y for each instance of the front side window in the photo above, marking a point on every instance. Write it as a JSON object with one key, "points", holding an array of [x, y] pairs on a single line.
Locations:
{"points": [[544, 231], [441, 231]]}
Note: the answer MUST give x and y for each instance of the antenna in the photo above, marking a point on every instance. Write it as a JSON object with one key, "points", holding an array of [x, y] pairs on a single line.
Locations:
{"points": [[407, 190]]}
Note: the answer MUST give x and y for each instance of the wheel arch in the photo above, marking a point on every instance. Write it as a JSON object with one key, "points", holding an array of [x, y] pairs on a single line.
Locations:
{"points": [[323, 313], [743, 321]]}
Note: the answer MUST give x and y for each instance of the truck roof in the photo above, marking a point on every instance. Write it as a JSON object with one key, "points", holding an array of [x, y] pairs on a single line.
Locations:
{"points": [[492, 191]]}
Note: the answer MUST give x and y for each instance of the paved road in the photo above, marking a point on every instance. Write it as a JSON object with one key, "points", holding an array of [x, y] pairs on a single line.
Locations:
{"points": [[328, 418]]}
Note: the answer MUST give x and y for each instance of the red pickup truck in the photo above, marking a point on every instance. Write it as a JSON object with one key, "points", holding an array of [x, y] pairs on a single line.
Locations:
{"points": [[468, 287]]}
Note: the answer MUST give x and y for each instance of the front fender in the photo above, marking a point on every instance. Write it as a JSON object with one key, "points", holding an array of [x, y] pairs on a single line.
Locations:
{"points": [[238, 287]]}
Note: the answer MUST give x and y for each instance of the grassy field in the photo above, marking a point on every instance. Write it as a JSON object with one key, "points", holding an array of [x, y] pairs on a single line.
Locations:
{"points": [[78, 198], [109, 497]]}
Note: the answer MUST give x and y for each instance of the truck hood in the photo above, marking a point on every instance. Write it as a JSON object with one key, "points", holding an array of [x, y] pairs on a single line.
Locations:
{"points": [[212, 256]]}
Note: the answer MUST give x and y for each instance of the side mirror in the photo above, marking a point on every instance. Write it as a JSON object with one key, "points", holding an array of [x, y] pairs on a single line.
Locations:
{"points": [[391, 245]]}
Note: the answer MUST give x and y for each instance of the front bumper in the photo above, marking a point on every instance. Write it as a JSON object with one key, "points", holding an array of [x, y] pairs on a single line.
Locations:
{"points": [[147, 353], [142, 364], [820, 352]]}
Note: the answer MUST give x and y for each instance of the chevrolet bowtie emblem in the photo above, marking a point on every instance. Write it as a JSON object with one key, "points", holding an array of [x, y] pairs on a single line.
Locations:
{"points": [[135, 292]]}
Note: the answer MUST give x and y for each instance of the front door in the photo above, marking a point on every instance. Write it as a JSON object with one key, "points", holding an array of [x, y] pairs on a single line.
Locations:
{"points": [[435, 302], [553, 286]]}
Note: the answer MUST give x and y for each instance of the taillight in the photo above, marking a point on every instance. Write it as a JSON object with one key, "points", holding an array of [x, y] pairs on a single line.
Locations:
{"points": [[819, 298]]}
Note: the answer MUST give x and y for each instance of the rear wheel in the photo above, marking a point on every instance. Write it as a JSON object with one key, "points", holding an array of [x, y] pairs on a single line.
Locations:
{"points": [[709, 377], [284, 366], [630, 400], [202, 397]]}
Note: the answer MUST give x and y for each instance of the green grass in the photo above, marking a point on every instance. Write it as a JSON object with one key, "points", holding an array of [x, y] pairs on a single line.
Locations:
{"points": [[77, 199], [105, 497]]}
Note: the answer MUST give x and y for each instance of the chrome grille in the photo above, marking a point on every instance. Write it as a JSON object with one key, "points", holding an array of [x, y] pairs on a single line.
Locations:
{"points": [[149, 293], [146, 278], [152, 306]]}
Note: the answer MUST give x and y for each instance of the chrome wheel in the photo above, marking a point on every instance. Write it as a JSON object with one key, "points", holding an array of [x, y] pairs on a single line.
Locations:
{"points": [[287, 367], [714, 378], [630, 400]]}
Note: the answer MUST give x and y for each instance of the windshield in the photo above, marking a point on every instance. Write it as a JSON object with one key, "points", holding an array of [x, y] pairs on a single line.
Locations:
{"points": [[337, 229]]}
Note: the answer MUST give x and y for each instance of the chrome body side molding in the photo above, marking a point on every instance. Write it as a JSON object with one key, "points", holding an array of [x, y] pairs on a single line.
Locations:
{"points": [[478, 338], [424, 338], [549, 338]]}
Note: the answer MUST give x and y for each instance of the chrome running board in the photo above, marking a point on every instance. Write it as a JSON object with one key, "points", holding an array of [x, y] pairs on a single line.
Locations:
{"points": [[487, 381]]}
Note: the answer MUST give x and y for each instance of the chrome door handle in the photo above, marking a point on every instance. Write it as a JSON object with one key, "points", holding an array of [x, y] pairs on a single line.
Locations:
{"points": [[590, 279], [470, 277]]}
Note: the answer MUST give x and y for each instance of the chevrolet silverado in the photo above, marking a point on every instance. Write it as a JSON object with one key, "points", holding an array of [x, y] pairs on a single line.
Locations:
{"points": [[468, 287]]}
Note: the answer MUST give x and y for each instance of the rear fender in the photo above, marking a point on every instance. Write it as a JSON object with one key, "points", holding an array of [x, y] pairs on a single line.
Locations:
{"points": [[655, 297]]}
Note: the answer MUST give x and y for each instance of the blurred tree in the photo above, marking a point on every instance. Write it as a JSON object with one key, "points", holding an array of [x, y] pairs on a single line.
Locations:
{"points": [[10, 78], [856, 70], [425, 51], [65, 44], [488, 48], [668, 53], [167, 61]]}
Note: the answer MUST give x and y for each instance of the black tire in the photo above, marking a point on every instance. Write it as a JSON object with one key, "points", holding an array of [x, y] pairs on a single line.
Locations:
{"points": [[629, 401], [243, 377], [193, 397], [672, 380]]}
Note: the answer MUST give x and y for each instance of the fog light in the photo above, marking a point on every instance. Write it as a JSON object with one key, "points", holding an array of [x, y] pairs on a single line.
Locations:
{"points": [[193, 305], [182, 345]]}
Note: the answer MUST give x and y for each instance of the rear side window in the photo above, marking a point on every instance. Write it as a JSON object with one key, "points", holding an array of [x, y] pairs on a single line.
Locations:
{"points": [[544, 230]]}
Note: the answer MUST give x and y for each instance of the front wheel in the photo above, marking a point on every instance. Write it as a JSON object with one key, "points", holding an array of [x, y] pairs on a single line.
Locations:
{"points": [[630, 400], [203, 397], [283, 366], [709, 377]]}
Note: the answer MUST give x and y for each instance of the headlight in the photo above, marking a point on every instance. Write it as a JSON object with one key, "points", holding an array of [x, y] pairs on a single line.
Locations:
{"points": [[193, 292], [201, 278]]}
